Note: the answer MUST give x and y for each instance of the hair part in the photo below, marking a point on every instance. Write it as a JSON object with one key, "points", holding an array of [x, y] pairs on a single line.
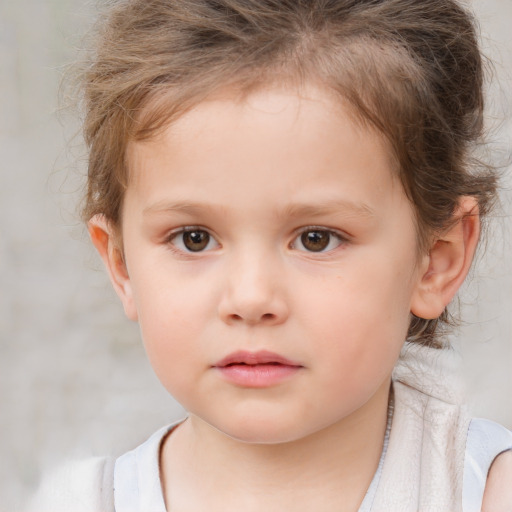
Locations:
{"points": [[412, 70]]}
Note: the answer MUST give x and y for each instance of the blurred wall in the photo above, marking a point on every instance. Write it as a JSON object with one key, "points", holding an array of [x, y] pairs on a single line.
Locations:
{"points": [[73, 377]]}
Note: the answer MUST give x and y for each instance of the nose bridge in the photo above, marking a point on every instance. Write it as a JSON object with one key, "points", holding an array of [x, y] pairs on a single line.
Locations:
{"points": [[254, 291]]}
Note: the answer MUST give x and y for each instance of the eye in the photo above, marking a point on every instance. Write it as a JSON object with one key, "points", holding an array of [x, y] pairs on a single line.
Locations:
{"points": [[317, 240], [193, 240]]}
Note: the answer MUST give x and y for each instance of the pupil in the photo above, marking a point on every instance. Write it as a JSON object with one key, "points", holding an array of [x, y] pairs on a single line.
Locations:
{"points": [[196, 240], [315, 241]]}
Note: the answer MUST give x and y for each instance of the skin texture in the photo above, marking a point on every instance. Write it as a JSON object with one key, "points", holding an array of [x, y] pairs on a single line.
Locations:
{"points": [[498, 491], [254, 175]]}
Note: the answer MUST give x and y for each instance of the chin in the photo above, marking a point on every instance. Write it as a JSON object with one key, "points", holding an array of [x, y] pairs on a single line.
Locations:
{"points": [[263, 438], [265, 431]]}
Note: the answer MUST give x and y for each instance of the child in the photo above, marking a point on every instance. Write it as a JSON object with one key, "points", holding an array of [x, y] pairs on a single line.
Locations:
{"points": [[283, 192]]}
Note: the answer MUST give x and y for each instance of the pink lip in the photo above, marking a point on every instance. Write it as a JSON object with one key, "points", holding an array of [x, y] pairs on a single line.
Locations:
{"points": [[256, 369]]}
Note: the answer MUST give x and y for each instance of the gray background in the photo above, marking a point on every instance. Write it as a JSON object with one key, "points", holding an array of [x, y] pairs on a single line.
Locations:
{"points": [[74, 380]]}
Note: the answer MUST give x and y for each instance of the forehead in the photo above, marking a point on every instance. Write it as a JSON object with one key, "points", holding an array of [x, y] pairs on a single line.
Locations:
{"points": [[307, 123]]}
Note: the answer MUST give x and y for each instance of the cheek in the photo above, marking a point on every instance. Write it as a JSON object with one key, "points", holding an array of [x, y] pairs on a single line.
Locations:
{"points": [[171, 319], [170, 301], [351, 300], [359, 320]]}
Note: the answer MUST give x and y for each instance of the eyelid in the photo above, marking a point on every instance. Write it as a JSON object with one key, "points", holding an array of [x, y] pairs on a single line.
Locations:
{"points": [[341, 234]]}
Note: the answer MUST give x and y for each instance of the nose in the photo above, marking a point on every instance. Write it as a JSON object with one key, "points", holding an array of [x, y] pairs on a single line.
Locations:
{"points": [[254, 293]]}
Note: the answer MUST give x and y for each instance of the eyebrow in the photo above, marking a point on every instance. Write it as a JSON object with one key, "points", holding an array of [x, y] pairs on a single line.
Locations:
{"points": [[293, 210], [187, 207], [329, 207]]}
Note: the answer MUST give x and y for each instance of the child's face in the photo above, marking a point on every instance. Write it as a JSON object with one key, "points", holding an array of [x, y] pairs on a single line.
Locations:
{"points": [[273, 225]]}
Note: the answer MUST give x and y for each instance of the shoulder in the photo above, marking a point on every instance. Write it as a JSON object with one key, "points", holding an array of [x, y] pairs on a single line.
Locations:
{"points": [[85, 486], [488, 467], [498, 489]]}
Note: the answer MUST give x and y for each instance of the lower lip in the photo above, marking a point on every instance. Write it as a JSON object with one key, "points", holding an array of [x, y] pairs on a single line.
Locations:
{"points": [[258, 375]]}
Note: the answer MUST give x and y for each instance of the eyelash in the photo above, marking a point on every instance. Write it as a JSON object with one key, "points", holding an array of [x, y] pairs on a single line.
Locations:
{"points": [[298, 238]]}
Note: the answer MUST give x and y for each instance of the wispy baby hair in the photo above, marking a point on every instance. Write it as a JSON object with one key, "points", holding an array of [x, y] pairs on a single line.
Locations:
{"points": [[410, 69]]}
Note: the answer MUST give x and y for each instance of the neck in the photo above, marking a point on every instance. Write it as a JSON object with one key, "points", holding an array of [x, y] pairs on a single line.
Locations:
{"points": [[330, 469]]}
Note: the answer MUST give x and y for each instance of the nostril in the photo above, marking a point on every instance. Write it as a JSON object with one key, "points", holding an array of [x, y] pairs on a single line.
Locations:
{"points": [[267, 317]]}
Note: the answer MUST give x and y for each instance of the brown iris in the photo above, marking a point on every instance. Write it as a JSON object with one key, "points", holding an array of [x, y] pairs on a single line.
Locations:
{"points": [[196, 240], [315, 241]]}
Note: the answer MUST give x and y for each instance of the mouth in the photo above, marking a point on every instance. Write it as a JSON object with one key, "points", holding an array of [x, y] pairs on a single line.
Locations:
{"points": [[256, 369]]}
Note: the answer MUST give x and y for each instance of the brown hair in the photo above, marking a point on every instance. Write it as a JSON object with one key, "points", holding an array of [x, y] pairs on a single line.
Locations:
{"points": [[412, 69]]}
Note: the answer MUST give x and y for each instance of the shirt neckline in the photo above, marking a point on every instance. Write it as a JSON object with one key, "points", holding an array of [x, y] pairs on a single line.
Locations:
{"points": [[138, 482]]}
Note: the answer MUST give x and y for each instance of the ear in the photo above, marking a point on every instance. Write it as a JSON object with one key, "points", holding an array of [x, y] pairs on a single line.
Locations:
{"points": [[447, 264], [107, 243]]}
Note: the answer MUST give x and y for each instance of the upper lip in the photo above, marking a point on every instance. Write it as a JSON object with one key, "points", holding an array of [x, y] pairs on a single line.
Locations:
{"points": [[254, 358]]}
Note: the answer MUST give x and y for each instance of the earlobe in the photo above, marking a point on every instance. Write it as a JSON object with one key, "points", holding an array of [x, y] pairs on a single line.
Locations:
{"points": [[448, 262], [106, 241]]}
